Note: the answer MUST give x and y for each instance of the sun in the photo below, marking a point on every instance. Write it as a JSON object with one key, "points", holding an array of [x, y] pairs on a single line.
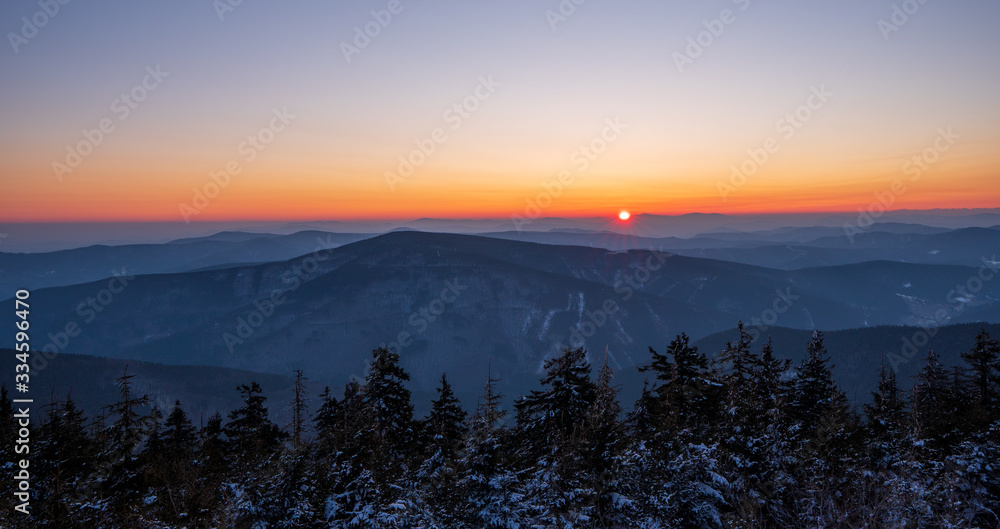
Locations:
{"points": [[624, 215]]}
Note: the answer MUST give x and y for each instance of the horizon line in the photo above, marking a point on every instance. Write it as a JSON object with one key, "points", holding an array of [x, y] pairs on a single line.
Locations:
{"points": [[483, 219]]}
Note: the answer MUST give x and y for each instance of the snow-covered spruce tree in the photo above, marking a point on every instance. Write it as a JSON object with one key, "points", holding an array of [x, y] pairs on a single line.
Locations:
{"points": [[682, 412], [643, 477], [695, 489], [445, 427], [605, 441], [253, 438], [824, 438], [552, 450], [123, 484], [290, 496], [299, 405], [436, 495], [753, 435], [380, 454], [645, 418], [337, 422], [887, 423], [149, 460], [744, 414], [689, 396], [738, 363], [387, 404], [967, 493], [68, 456], [172, 476], [815, 393], [890, 489], [212, 469], [488, 480], [293, 496], [325, 424], [934, 423], [339, 448], [254, 443], [984, 367]]}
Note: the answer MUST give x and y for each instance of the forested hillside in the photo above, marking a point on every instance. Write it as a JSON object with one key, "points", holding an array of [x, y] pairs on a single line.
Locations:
{"points": [[744, 440]]}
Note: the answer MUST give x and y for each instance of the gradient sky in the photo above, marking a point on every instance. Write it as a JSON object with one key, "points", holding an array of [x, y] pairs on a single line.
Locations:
{"points": [[354, 120]]}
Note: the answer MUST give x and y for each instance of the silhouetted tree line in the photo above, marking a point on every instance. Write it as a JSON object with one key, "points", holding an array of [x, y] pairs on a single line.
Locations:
{"points": [[741, 440]]}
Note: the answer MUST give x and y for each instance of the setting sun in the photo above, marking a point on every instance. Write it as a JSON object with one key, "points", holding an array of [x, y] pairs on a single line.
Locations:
{"points": [[624, 215]]}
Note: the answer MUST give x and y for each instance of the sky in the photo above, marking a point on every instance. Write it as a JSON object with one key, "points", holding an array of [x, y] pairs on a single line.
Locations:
{"points": [[253, 110]]}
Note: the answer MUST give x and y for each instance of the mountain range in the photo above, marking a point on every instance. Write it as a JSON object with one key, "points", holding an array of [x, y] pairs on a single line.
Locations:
{"points": [[474, 306]]}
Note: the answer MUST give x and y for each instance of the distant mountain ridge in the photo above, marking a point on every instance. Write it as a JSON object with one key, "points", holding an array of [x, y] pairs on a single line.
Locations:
{"points": [[91, 263], [510, 303]]}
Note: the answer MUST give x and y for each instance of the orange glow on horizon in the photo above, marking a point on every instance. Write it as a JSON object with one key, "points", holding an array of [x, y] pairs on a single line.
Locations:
{"points": [[283, 189]]}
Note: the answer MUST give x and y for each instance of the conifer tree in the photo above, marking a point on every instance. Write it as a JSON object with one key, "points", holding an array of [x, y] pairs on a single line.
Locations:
{"points": [[326, 422], [752, 433], [485, 438], [252, 437], [772, 389], [605, 443], [643, 420], [550, 416], [69, 456], [213, 449], [488, 480], [887, 421], [123, 485], [738, 362], [815, 392], [173, 476], [179, 439], [744, 412], [445, 426], [696, 490], [388, 409], [213, 468], [932, 418], [550, 423], [299, 407], [688, 392], [381, 451], [984, 363], [438, 490]]}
